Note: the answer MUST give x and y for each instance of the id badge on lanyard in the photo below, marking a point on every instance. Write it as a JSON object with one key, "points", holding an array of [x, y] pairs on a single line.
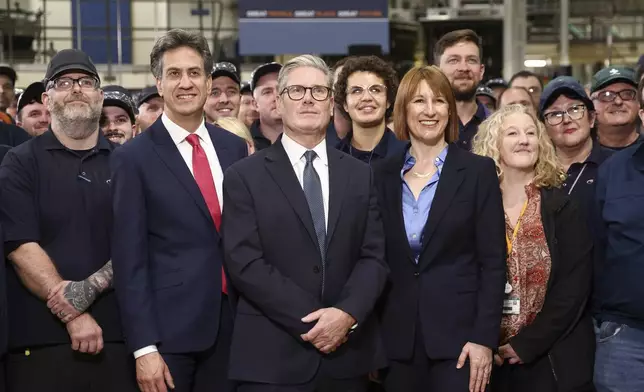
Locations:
{"points": [[511, 302]]}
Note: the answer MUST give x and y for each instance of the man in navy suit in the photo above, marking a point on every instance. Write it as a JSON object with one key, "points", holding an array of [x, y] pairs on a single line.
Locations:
{"points": [[304, 246], [168, 269]]}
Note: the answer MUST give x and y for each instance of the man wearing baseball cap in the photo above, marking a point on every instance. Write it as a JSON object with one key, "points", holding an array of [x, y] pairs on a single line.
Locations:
{"points": [[56, 213], [119, 114], [224, 97], [32, 115], [150, 107], [485, 95], [497, 85], [247, 106], [263, 83], [614, 93], [618, 298], [569, 115]]}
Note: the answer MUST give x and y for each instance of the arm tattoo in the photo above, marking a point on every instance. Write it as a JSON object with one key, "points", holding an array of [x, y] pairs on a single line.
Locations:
{"points": [[81, 295], [101, 280]]}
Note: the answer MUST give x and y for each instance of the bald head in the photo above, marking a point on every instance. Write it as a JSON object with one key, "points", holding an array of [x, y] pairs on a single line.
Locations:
{"points": [[516, 95]]}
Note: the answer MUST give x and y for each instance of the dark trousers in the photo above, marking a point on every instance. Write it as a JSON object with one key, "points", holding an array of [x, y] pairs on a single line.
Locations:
{"points": [[533, 377], [205, 371], [422, 374], [320, 383], [61, 369]]}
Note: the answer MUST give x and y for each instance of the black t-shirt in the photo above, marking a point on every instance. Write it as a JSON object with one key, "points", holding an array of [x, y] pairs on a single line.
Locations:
{"points": [[61, 200]]}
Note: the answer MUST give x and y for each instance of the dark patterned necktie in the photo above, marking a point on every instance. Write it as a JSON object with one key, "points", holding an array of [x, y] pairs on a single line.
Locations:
{"points": [[313, 192]]}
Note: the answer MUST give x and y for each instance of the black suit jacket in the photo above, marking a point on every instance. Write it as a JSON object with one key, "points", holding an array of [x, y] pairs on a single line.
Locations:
{"points": [[456, 288], [166, 251], [274, 262]]}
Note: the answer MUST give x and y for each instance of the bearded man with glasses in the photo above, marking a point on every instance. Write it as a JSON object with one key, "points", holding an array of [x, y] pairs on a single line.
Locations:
{"points": [[614, 93], [304, 247], [56, 213]]}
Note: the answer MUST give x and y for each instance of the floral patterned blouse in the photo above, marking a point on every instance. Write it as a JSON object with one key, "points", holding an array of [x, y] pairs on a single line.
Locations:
{"points": [[529, 266]]}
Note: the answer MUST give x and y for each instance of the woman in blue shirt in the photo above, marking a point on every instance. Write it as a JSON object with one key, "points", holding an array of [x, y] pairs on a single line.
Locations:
{"points": [[443, 216]]}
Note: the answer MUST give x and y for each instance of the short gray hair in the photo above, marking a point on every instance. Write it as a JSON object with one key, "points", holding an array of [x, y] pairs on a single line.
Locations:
{"points": [[177, 38], [305, 60]]}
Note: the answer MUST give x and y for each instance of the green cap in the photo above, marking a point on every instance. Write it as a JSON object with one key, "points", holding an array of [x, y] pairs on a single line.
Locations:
{"points": [[612, 75]]}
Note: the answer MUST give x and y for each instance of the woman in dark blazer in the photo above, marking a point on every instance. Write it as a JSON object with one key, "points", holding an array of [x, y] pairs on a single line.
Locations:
{"points": [[547, 340], [442, 212]]}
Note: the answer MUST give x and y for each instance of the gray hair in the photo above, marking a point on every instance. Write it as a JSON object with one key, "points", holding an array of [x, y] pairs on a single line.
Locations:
{"points": [[305, 60], [177, 38]]}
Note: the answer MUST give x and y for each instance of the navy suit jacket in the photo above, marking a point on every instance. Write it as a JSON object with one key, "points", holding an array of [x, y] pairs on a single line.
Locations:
{"points": [[166, 251], [455, 291], [274, 262]]}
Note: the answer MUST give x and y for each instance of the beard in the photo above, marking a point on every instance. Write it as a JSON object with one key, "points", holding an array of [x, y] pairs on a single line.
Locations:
{"points": [[77, 121], [464, 95]]}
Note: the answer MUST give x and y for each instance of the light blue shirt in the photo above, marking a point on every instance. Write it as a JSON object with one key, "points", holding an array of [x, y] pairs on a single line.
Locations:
{"points": [[415, 212]]}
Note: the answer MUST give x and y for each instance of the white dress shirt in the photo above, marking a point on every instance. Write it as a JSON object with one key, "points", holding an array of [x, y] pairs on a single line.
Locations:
{"points": [[178, 136], [295, 152]]}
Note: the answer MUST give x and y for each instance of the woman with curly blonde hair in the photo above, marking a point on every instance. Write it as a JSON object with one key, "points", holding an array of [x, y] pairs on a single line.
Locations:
{"points": [[547, 340]]}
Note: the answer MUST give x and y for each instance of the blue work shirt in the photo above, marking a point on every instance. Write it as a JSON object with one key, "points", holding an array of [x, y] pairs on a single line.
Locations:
{"points": [[415, 212], [618, 227]]}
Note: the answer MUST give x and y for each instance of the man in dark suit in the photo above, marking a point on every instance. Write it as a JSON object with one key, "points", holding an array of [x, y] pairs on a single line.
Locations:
{"points": [[304, 248], [167, 186]]}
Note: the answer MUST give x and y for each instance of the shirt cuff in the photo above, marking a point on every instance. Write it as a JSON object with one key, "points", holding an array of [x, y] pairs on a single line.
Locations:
{"points": [[145, 351]]}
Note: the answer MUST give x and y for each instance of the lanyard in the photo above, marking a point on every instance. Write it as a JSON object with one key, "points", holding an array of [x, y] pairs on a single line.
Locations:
{"points": [[510, 242], [577, 179]]}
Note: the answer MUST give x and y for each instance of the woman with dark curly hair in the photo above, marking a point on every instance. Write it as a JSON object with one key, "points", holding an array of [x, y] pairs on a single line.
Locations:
{"points": [[366, 90]]}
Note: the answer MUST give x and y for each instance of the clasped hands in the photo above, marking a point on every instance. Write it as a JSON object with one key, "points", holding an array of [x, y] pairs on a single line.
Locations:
{"points": [[331, 329], [68, 301]]}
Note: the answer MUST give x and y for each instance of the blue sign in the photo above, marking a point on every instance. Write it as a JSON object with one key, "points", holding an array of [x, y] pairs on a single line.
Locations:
{"points": [[273, 27]]}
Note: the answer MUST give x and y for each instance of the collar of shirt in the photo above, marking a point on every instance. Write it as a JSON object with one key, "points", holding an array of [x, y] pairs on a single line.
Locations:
{"points": [[179, 134], [51, 142], [410, 161], [295, 151], [481, 114]]}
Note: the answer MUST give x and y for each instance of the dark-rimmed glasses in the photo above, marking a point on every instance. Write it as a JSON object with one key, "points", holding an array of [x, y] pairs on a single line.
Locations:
{"points": [[609, 96], [575, 112], [66, 83], [297, 92]]}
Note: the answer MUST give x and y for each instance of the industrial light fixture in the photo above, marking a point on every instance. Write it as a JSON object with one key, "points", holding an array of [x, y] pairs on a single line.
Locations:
{"points": [[535, 63]]}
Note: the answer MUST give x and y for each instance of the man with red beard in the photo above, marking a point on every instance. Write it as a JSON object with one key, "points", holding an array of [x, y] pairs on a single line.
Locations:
{"points": [[224, 97], [458, 54]]}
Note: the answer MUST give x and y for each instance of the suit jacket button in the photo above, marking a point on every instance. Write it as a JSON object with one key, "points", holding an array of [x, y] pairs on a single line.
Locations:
{"points": [[416, 274], [316, 269]]}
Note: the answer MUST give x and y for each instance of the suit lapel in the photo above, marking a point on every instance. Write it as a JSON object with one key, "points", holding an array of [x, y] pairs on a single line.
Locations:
{"points": [[393, 192], [338, 181], [280, 168], [223, 154], [450, 180], [170, 155]]}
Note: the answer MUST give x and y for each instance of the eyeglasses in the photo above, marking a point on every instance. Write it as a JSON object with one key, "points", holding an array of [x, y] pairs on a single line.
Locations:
{"points": [[375, 90], [297, 92], [65, 84], [609, 96], [575, 112]]}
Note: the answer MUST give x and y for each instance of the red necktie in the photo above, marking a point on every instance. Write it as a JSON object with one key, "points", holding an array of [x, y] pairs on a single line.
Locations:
{"points": [[203, 176]]}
